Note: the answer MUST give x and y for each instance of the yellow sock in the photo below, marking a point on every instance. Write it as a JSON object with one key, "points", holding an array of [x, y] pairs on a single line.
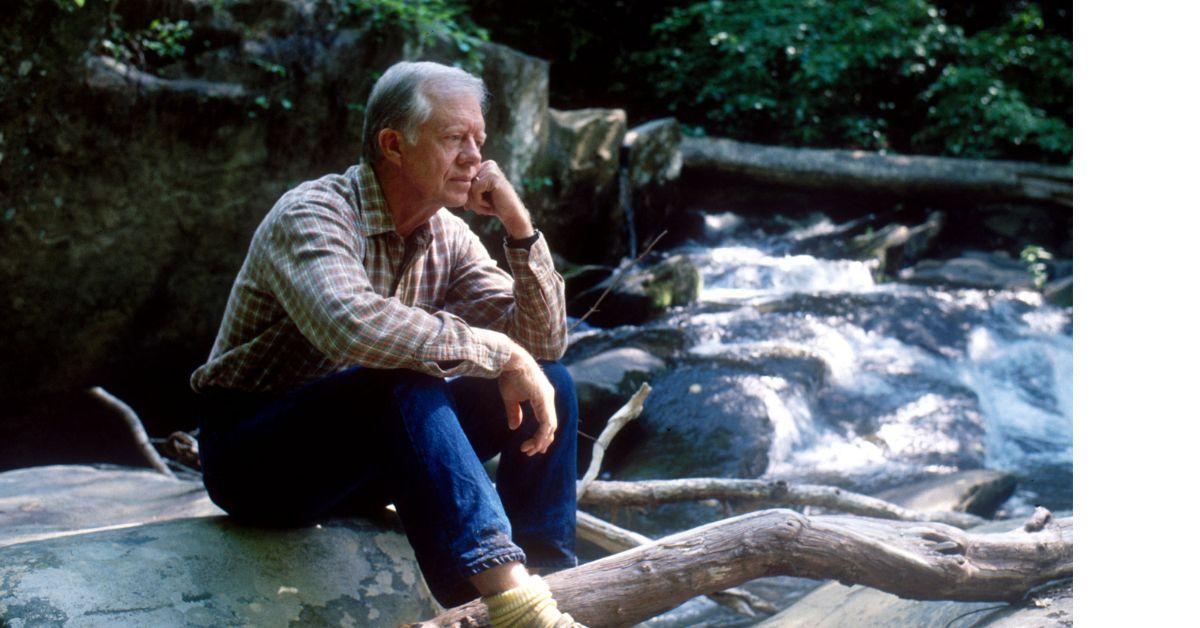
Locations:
{"points": [[528, 606]]}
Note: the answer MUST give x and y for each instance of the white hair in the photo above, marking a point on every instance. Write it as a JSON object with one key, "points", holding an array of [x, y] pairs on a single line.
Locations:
{"points": [[400, 99]]}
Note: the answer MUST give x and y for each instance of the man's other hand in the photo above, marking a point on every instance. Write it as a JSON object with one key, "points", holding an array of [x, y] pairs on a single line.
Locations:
{"points": [[521, 379], [491, 194]]}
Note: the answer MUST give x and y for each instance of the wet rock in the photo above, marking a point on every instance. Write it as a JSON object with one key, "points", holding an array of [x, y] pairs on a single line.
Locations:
{"points": [[835, 605], [642, 295], [700, 421], [655, 162], [973, 270], [979, 492], [1059, 291], [897, 245], [605, 382], [114, 546]]}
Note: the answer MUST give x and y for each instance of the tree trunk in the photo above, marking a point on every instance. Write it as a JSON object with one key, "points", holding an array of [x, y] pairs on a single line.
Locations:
{"points": [[913, 560], [804, 168]]}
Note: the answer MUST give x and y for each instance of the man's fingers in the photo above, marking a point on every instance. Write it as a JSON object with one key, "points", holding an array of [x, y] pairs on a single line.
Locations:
{"points": [[513, 410], [547, 423]]}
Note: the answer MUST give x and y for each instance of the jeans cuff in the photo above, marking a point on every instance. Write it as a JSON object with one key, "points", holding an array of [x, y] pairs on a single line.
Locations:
{"points": [[494, 559]]}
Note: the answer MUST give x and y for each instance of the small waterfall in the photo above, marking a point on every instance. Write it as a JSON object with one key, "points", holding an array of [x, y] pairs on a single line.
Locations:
{"points": [[625, 196]]}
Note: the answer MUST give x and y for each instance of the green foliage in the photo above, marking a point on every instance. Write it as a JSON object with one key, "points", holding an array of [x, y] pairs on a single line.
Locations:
{"points": [[1035, 258], [419, 19], [986, 104], [70, 5], [163, 39], [878, 75]]}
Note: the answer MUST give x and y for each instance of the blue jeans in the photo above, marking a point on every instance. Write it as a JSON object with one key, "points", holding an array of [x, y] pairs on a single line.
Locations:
{"points": [[363, 438]]}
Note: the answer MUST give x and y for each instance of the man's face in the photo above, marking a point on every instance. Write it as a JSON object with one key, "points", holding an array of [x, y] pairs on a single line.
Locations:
{"points": [[446, 156]]}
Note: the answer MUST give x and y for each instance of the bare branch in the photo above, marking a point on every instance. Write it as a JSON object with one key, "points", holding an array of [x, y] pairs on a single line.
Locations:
{"points": [[653, 492], [925, 561], [618, 420], [135, 428]]}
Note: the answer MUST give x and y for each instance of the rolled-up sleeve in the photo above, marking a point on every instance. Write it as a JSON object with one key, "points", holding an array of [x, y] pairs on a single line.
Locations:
{"points": [[314, 267], [528, 306]]}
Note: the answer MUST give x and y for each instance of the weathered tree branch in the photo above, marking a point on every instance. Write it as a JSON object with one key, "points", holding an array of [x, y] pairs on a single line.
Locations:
{"points": [[653, 492], [616, 539], [135, 427], [628, 412], [928, 561]]}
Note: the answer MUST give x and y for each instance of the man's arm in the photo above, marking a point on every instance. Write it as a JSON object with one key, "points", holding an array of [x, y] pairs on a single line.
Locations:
{"points": [[528, 306], [313, 266]]}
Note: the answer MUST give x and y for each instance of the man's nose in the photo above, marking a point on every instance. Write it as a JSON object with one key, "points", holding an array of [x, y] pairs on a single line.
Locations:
{"points": [[470, 153]]}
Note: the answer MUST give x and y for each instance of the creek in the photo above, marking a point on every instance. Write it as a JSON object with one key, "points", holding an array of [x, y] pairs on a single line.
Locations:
{"points": [[816, 372], [863, 384]]}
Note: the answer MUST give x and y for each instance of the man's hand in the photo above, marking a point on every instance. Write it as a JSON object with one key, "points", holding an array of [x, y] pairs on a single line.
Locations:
{"points": [[521, 379], [492, 195]]}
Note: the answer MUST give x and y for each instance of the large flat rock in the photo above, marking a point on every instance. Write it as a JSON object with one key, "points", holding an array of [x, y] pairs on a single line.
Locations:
{"points": [[91, 546], [45, 502], [212, 572]]}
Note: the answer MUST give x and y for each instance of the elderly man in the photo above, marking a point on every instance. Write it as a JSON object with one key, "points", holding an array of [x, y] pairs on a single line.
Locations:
{"points": [[330, 388]]}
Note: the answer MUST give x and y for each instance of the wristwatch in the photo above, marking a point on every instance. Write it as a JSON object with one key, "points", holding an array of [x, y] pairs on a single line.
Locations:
{"points": [[523, 243]]}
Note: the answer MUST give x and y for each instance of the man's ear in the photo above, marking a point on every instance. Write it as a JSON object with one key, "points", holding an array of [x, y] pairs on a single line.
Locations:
{"points": [[391, 145]]}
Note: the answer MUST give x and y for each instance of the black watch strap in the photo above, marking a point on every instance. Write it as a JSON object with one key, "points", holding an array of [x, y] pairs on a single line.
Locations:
{"points": [[523, 243]]}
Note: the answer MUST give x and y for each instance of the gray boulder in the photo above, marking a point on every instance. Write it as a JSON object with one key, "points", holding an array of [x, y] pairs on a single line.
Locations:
{"points": [[655, 162], [978, 491], [972, 270], [120, 547], [1060, 292], [45, 502], [605, 382], [896, 245], [642, 295], [573, 187]]}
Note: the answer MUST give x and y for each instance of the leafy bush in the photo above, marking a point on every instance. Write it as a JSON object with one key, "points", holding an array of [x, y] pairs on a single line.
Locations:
{"points": [[418, 18], [878, 75]]}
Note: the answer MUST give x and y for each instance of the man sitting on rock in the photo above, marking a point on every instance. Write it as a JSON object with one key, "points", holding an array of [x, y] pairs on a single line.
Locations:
{"points": [[328, 389]]}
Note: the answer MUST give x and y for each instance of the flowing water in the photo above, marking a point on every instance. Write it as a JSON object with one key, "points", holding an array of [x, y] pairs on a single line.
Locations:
{"points": [[866, 385]]}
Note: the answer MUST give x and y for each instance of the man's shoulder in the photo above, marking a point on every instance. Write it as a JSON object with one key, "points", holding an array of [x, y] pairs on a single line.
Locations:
{"points": [[336, 190]]}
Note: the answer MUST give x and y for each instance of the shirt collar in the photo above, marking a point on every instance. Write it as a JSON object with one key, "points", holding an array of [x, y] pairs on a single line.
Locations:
{"points": [[375, 217]]}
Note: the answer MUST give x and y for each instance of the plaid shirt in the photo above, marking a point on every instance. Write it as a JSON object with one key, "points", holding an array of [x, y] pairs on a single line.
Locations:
{"points": [[328, 284]]}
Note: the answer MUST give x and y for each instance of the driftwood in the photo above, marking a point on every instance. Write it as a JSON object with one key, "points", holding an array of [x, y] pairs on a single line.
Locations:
{"points": [[135, 428], [626, 413], [813, 169], [616, 539], [926, 561], [653, 492]]}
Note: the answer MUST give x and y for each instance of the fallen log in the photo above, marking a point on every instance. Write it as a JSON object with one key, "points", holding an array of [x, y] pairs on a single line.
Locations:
{"points": [[654, 492], [851, 170], [927, 561]]}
